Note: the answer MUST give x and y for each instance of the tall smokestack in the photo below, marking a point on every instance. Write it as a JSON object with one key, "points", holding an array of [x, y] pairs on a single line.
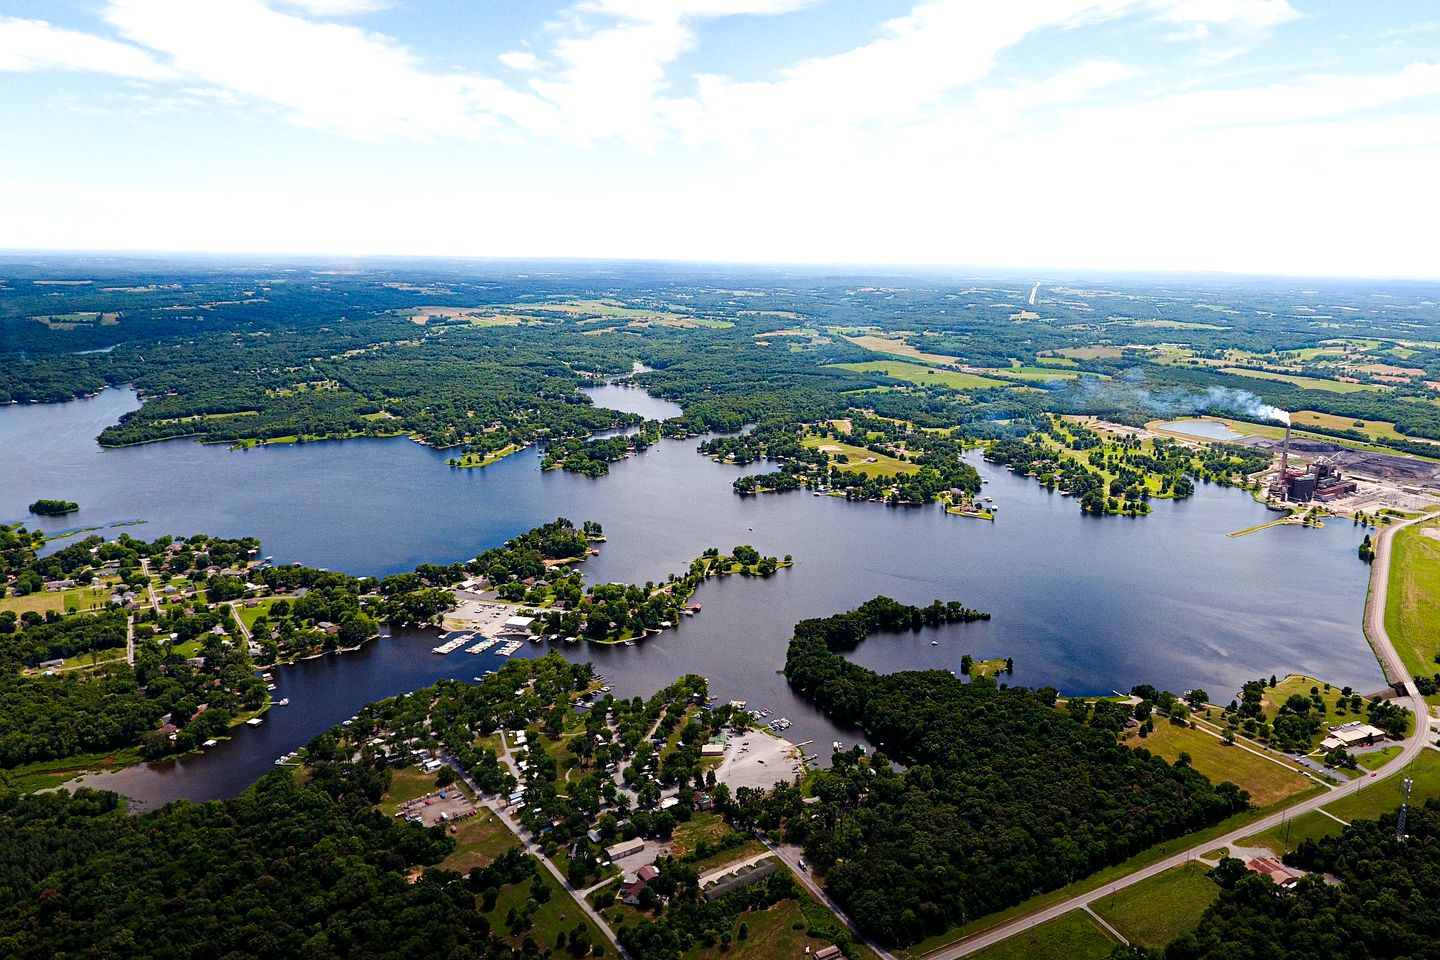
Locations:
{"points": [[1285, 464]]}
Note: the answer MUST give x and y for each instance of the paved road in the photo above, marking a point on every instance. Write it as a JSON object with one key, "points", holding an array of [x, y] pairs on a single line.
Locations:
{"points": [[1394, 670], [790, 856]]}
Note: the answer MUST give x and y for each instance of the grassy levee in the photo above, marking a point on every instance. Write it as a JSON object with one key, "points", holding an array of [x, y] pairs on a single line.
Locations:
{"points": [[1412, 599], [1075, 936], [1155, 911]]}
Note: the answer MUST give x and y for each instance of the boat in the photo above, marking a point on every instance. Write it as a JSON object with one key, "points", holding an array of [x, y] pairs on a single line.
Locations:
{"points": [[836, 745], [934, 643], [254, 721], [285, 702], [629, 643]]}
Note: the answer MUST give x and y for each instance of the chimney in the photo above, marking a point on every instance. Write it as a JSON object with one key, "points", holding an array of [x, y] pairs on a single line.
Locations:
{"points": [[1285, 464]]}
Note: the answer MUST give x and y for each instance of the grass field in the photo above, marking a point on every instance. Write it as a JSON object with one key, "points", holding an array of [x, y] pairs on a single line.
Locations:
{"points": [[925, 376], [1309, 383], [560, 913], [883, 465], [1385, 796], [1377, 758], [1287, 836], [248, 615], [709, 827], [1075, 936], [1153, 912], [1265, 781], [1412, 603], [80, 598], [478, 841]]}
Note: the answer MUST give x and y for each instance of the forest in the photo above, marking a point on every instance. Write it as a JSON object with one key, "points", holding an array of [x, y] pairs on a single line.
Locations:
{"points": [[285, 870], [913, 852]]}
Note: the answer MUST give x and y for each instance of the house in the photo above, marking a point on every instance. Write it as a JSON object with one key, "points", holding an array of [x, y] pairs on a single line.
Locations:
{"points": [[1352, 734], [705, 802], [1278, 873], [327, 626], [593, 836], [51, 664], [827, 953], [712, 750], [630, 889], [625, 848], [53, 585], [669, 802]]}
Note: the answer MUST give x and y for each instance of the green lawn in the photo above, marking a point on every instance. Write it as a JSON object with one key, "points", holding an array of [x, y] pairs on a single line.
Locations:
{"points": [[724, 858], [1287, 836], [1377, 758], [1266, 782], [1412, 603], [248, 615], [925, 376], [1074, 936], [770, 933], [1385, 795], [1153, 912], [406, 783]]}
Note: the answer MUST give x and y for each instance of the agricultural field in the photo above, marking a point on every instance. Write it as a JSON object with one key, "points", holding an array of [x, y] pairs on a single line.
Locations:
{"points": [[1154, 912], [899, 347], [925, 376]]}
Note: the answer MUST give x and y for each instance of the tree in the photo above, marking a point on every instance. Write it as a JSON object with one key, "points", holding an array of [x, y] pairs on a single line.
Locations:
{"points": [[445, 777]]}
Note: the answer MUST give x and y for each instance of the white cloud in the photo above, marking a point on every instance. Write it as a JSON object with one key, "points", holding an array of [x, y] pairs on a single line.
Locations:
{"points": [[518, 59], [337, 8], [37, 45], [327, 76]]}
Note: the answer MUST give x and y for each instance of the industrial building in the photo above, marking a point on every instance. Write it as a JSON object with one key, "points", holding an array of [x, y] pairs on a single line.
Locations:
{"points": [[1321, 481]]}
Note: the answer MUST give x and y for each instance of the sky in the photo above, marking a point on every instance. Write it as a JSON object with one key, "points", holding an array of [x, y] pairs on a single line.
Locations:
{"points": [[1250, 136]]}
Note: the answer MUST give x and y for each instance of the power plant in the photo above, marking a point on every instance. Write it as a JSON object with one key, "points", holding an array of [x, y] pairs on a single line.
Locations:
{"points": [[1321, 480]]}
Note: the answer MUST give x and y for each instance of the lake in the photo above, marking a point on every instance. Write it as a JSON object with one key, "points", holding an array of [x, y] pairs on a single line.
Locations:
{"points": [[1087, 604]]}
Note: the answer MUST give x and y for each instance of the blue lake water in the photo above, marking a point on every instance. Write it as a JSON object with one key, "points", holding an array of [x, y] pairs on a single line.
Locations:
{"points": [[1087, 604]]}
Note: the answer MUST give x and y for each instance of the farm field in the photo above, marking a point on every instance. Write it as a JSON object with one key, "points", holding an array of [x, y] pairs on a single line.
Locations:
{"points": [[924, 376], [1309, 383]]}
